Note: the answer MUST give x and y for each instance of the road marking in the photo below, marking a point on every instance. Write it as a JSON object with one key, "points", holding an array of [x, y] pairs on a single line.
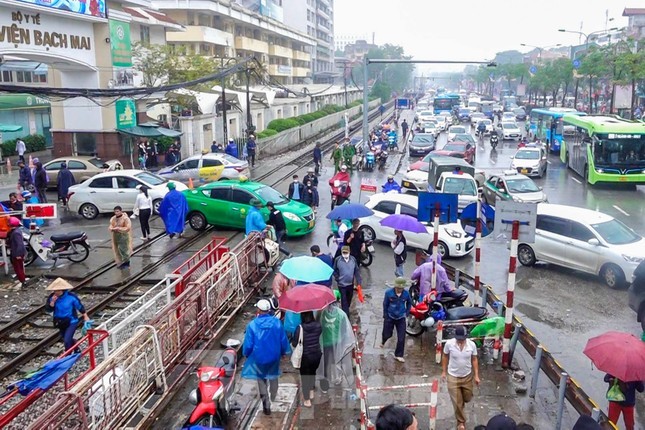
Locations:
{"points": [[577, 181], [548, 161], [620, 210]]}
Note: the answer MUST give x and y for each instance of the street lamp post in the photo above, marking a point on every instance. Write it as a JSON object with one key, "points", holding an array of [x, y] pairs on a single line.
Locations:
{"points": [[587, 36]]}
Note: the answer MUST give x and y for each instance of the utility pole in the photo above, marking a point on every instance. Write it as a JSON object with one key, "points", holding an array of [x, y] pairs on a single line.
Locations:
{"points": [[249, 118], [224, 119], [366, 127]]}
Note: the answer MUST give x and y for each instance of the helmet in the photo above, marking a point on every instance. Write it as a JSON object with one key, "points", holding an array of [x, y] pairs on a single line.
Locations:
{"points": [[310, 170], [25, 194], [264, 305], [14, 222], [343, 167], [390, 176]]}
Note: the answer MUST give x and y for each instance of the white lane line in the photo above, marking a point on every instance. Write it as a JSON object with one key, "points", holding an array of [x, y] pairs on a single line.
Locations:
{"points": [[620, 210], [575, 179]]}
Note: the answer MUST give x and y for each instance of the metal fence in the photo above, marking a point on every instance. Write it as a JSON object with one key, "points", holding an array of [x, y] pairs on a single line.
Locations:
{"points": [[200, 262], [138, 378]]}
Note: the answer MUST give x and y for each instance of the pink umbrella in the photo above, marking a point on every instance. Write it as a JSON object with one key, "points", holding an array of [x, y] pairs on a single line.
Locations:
{"points": [[308, 297], [619, 354]]}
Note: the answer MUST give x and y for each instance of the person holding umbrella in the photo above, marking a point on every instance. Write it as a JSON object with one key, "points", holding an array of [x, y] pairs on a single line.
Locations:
{"points": [[396, 307], [400, 254], [308, 332], [626, 406]]}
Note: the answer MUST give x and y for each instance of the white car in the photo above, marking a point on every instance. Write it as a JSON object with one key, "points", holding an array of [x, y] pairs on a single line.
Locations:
{"points": [[425, 115], [101, 193], [445, 120], [510, 130], [430, 127], [488, 123], [206, 168], [508, 117], [455, 130], [453, 241], [584, 240], [475, 117], [416, 180], [530, 161]]}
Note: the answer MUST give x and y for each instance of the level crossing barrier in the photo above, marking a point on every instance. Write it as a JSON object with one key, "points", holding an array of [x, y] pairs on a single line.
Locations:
{"points": [[136, 381], [200, 262]]}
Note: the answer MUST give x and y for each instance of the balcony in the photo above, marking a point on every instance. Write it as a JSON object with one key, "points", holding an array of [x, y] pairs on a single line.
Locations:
{"points": [[279, 70], [280, 51], [249, 44], [301, 72], [323, 13], [300, 55], [200, 34]]}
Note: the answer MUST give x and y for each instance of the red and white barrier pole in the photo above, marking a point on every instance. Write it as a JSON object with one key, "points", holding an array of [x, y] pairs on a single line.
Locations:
{"points": [[478, 240], [435, 247], [434, 397], [439, 345], [510, 291]]}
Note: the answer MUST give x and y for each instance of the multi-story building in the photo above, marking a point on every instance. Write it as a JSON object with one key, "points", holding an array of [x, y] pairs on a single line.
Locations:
{"points": [[636, 23], [225, 30], [76, 45], [342, 40], [358, 50], [316, 18]]}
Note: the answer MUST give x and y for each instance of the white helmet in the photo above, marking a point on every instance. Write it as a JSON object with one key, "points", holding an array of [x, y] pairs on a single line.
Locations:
{"points": [[343, 167], [264, 305]]}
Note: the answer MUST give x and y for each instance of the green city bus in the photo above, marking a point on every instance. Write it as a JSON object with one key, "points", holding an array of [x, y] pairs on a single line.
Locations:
{"points": [[605, 148]]}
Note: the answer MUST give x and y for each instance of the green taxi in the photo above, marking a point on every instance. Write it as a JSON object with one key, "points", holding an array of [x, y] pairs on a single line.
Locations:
{"points": [[226, 204]]}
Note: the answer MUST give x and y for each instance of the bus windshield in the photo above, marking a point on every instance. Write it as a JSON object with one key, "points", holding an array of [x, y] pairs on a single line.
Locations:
{"points": [[442, 104], [619, 150]]}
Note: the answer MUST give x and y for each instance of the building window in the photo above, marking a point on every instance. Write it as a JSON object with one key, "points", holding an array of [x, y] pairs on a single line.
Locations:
{"points": [[6, 76], [144, 34], [40, 77]]}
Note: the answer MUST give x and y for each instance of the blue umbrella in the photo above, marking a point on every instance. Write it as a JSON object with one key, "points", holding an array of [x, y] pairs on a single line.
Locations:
{"points": [[306, 269], [350, 211], [403, 223], [46, 376]]}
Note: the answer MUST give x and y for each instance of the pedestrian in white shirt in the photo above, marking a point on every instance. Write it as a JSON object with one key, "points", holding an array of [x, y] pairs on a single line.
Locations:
{"points": [[21, 148], [143, 209], [462, 368]]}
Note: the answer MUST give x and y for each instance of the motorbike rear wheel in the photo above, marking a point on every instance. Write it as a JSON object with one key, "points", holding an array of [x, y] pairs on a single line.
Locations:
{"points": [[366, 259], [83, 251], [413, 326], [30, 257]]}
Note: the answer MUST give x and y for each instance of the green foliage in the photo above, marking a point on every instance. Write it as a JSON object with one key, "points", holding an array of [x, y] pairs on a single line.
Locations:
{"points": [[356, 103], [308, 117], [33, 142], [382, 90], [397, 76], [317, 114], [266, 133], [163, 143], [282, 124]]}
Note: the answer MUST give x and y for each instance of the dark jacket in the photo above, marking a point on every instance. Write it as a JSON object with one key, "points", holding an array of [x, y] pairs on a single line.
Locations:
{"points": [[396, 307], [16, 243], [400, 258], [317, 155], [311, 332], [25, 176], [65, 180], [277, 220], [40, 178], [311, 197], [312, 178], [628, 388], [354, 244], [300, 187], [251, 146], [330, 262]]}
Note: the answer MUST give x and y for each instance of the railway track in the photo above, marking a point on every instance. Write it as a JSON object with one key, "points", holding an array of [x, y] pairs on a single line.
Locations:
{"points": [[31, 335]]}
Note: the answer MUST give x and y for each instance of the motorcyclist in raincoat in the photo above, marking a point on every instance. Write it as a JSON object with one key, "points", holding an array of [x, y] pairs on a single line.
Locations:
{"points": [[265, 342], [391, 185]]}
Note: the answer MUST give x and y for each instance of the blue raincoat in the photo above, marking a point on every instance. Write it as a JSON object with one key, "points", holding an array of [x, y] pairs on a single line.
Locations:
{"points": [[254, 221], [231, 149], [173, 210], [265, 343], [391, 186]]}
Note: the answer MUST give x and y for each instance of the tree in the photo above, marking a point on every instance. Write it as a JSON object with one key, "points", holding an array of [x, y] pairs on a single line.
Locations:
{"points": [[632, 67], [563, 71], [593, 65]]}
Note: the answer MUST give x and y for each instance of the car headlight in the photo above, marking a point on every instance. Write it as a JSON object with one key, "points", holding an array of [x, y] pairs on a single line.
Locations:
{"points": [[632, 259], [452, 233], [291, 216], [517, 199], [537, 166]]}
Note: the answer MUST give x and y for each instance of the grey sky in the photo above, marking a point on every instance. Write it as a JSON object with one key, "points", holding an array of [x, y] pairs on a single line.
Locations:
{"points": [[472, 29]]}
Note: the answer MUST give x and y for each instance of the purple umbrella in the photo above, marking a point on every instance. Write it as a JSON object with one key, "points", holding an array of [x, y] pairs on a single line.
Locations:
{"points": [[403, 223]]}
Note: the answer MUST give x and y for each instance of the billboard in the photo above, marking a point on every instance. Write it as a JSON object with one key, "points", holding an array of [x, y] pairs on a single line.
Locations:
{"points": [[120, 43], [96, 8]]}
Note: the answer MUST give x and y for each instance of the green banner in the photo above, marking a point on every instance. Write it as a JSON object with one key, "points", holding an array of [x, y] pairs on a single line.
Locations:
{"points": [[120, 43], [126, 113], [22, 101]]}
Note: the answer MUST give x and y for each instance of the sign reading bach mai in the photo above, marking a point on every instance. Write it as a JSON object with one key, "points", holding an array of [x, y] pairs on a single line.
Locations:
{"points": [[20, 34]]}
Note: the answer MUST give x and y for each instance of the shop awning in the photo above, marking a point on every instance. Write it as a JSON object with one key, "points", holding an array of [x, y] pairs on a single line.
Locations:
{"points": [[22, 101], [149, 131], [8, 128]]}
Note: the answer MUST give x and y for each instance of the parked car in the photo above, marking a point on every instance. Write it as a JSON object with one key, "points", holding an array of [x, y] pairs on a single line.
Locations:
{"points": [[585, 240], [636, 293], [421, 144], [530, 161], [104, 191], [206, 168], [226, 203], [453, 241], [458, 149], [454, 130], [512, 186], [510, 130], [81, 167]]}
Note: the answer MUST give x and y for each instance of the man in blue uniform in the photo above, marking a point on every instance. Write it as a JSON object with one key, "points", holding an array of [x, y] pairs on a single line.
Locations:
{"points": [[66, 306], [391, 185]]}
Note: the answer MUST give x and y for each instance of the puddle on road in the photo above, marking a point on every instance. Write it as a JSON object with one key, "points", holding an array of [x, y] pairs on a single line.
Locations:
{"points": [[534, 313]]}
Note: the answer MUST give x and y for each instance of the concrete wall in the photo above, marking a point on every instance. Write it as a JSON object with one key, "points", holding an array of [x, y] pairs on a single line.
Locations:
{"points": [[289, 139]]}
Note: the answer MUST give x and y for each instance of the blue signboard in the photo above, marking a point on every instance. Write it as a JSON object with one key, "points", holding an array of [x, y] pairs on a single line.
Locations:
{"points": [[576, 64], [448, 207], [403, 103], [95, 8], [468, 218], [533, 70]]}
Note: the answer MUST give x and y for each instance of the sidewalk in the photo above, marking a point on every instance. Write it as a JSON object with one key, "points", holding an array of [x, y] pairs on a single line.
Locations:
{"points": [[11, 178]]}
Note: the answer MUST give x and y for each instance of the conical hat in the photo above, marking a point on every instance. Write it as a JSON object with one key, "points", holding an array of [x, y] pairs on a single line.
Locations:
{"points": [[59, 284]]}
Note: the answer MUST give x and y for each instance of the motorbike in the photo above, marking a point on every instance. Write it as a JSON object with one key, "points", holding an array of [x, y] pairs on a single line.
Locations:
{"points": [[392, 143], [494, 140], [370, 160], [381, 158], [367, 257], [340, 192], [72, 246], [269, 251], [448, 302], [213, 396]]}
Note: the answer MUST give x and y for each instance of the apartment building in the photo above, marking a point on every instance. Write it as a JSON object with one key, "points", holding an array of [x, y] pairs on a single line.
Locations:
{"points": [[316, 18], [228, 30]]}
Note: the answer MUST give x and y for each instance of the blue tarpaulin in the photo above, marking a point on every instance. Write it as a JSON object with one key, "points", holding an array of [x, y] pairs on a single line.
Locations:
{"points": [[46, 376]]}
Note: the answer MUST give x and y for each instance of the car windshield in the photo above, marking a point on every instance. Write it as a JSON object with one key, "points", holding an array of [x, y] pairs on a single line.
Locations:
{"points": [[150, 178], [421, 139], [519, 111], [97, 162], [510, 126], [463, 186], [268, 194], [523, 185], [457, 130], [459, 147], [464, 137], [615, 232], [527, 155], [426, 113]]}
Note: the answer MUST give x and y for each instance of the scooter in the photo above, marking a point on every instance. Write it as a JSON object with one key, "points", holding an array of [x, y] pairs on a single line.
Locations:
{"points": [[392, 143], [367, 256], [269, 251], [71, 246], [215, 389], [424, 315], [340, 194], [448, 302], [381, 159], [370, 160], [494, 140]]}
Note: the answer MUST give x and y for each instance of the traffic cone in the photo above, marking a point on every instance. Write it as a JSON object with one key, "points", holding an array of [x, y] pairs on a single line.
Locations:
{"points": [[9, 165], [190, 184]]}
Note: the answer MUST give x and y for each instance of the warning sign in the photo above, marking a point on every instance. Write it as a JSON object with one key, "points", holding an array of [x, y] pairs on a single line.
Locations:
{"points": [[41, 211]]}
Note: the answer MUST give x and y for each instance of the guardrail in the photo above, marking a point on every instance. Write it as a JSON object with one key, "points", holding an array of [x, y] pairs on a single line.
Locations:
{"points": [[138, 378], [200, 262], [579, 400]]}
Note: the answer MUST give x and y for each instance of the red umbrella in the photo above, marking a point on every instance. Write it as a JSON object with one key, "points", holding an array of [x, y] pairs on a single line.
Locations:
{"points": [[308, 297], [619, 354]]}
